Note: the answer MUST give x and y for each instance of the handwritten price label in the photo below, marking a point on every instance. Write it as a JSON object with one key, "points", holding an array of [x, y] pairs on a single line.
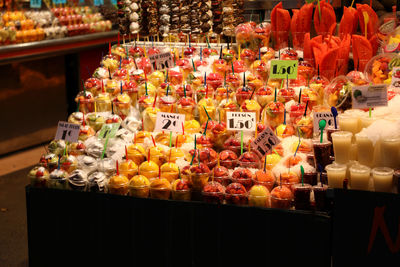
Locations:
{"points": [[108, 130], [241, 121], [36, 3], [171, 122], [282, 69], [67, 131], [161, 61], [327, 116], [265, 141]]}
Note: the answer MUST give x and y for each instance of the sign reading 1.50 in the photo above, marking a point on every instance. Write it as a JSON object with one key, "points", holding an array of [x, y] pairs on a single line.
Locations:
{"points": [[241, 121], [282, 69]]}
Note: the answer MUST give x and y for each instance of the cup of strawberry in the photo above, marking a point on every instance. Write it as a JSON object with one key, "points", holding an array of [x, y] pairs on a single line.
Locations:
{"points": [[243, 176], [236, 194]]}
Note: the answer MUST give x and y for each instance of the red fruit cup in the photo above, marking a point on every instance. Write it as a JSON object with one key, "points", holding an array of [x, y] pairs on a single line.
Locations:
{"points": [[236, 194], [281, 198], [249, 160], [213, 192], [228, 159]]}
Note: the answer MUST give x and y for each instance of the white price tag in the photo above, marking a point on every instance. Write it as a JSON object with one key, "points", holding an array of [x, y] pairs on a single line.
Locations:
{"points": [[161, 61], [327, 116], [241, 121], [265, 141], [67, 131], [369, 96], [171, 122]]}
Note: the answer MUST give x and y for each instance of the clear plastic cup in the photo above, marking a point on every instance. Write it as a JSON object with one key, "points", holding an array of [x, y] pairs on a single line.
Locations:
{"points": [[383, 179], [38, 181], [118, 189], [336, 175], [341, 146], [199, 180], [302, 194], [236, 199], [281, 203], [139, 191], [181, 194], [321, 201], [390, 148], [322, 152], [213, 197], [359, 177], [160, 193], [348, 123], [259, 201], [365, 150]]}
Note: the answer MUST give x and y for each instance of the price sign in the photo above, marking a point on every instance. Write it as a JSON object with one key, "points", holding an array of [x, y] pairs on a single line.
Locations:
{"points": [[265, 141], [108, 130], [36, 3], [171, 122], [161, 61], [113, 2], [81, 1], [56, 2], [241, 121], [67, 131], [282, 69], [369, 96], [327, 116], [62, 1]]}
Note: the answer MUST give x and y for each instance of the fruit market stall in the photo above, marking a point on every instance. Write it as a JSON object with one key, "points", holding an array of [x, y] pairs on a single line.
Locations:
{"points": [[267, 129]]}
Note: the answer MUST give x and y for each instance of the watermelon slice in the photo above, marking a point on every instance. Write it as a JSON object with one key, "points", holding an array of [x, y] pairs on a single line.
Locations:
{"points": [[273, 15], [305, 17], [362, 51], [328, 62], [295, 28], [343, 56], [372, 25], [347, 22], [307, 52], [374, 44], [328, 15]]}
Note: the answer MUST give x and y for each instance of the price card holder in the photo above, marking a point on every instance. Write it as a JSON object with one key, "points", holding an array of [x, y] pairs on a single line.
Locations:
{"points": [[161, 61], [171, 122], [56, 2], [67, 131], [241, 121], [265, 141], [369, 96], [282, 69], [108, 130], [113, 2], [36, 3], [81, 1], [327, 116]]}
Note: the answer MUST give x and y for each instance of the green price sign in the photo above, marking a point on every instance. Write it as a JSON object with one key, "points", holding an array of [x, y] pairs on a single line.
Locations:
{"points": [[108, 130], [282, 69]]}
